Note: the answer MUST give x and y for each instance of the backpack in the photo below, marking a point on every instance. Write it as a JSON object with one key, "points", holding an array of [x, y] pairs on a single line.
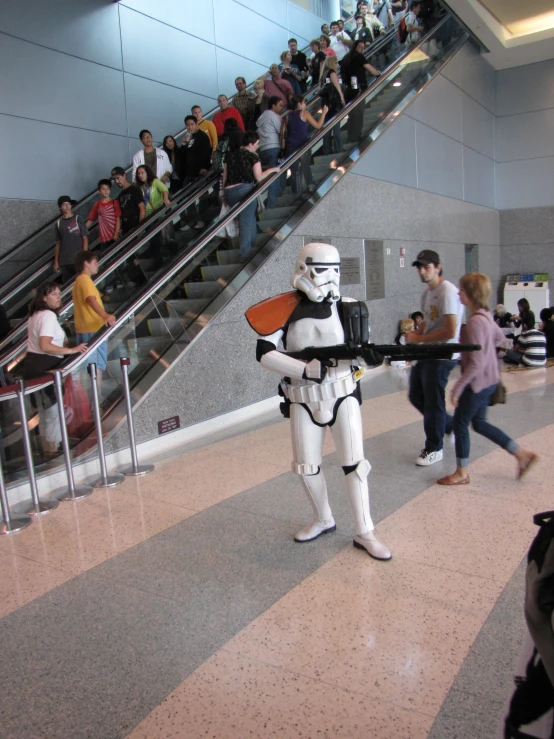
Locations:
{"points": [[218, 157], [402, 30]]}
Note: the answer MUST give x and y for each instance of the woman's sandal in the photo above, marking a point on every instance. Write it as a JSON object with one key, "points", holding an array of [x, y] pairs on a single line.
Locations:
{"points": [[524, 468], [449, 481]]}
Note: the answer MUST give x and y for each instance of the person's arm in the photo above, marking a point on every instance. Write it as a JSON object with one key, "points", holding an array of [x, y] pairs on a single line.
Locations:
{"points": [[108, 318], [167, 166], [164, 191], [117, 211], [412, 28], [283, 132], [136, 163], [224, 177], [92, 216], [320, 121], [371, 69], [475, 333], [206, 149], [237, 116], [142, 211], [260, 175], [57, 256], [47, 347]]}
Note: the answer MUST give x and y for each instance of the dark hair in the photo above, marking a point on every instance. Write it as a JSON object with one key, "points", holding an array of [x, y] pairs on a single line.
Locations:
{"points": [[64, 199], [316, 42], [528, 320], [323, 26], [326, 39], [104, 182], [416, 314], [333, 23], [150, 176], [546, 314], [230, 125], [523, 304], [196, 106], [170, 152], [222, 95], [414, 4], [291, 40], [295, 101], [190, 118], [144, 130], [84, 257], [250, 137], [240, 78], [364, 24], [37, 303], [273, 100]]}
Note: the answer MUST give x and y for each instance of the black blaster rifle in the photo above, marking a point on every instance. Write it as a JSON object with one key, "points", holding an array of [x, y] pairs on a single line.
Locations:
{"points": [[374, 354]]}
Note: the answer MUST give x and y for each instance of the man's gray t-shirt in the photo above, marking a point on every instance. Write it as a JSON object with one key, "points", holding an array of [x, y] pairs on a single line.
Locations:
{"points": [[269, 129], [442, 301], [69, 232]]}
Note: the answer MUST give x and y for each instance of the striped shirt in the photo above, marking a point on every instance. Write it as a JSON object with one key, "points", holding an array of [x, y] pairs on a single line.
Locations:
{"points": [[533, 345], [106, 214]]}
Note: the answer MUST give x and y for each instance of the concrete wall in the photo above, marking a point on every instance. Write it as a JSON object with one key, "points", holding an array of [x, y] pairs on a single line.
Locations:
{"points": [[81, 79]]}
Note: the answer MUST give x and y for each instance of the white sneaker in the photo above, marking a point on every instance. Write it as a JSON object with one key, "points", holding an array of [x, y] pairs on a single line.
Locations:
{"points": [[426, 458], [372, 545], [317, 528]]}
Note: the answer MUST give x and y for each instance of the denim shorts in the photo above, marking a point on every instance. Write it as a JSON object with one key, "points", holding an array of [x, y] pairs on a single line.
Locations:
{"points": [[100, 356]]}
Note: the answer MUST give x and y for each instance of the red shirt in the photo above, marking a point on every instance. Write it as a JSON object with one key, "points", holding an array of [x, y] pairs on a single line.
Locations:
{"points": [[281, 89], [223, 115], [106, 214]]}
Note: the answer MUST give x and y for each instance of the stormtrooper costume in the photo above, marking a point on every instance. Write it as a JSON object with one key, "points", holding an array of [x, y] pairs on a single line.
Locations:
{"points": [[317, 396]]}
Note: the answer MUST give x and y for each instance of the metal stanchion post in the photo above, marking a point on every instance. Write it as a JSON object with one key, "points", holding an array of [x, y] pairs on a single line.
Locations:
{"points": [[72, 492], [136, 469], [105, 481], [10, 524], [37, 506]]}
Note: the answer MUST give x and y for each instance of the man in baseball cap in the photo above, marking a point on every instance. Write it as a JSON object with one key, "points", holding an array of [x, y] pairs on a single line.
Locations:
{"points": [[442, 321]]}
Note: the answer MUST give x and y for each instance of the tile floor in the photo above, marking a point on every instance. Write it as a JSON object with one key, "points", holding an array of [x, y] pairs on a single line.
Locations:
{"points": [[178, 605]]}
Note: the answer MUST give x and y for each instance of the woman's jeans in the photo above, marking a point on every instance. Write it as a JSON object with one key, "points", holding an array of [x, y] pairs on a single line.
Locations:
{"points": [[300, 168], [270, 158], [247, 217], [335, 132], [472, 408]]}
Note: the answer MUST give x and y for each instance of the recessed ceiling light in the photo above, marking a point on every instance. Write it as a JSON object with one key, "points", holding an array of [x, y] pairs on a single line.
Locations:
{"points": [[396, 84]]}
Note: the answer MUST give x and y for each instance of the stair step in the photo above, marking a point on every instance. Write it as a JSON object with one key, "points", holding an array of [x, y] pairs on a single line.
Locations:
{"points": [[218, 272], [280, 212], [149, 346], [165, 327], [228, 256], [187, 308], [199, 290]]}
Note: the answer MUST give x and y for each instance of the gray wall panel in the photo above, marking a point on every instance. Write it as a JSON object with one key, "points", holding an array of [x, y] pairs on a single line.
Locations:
{"points": [[525, 136], [88, 29], [158, 52], [262, 42], [299, 21], [159, 108], [393, 156], [230, 66], [439, 163], [193, 17], [440, 106], [523, 89], [70, 159], [472, 74], [275, 10], [478, 127], [86, 95], [478, 178], [527, 226], [525, 184]]}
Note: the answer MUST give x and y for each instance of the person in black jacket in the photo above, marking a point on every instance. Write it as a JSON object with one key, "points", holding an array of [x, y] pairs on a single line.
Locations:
{"points": [[196, 152], [175, 156]]}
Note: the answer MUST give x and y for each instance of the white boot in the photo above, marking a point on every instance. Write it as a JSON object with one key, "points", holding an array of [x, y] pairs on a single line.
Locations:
{"points": [[324, 523], [358, 494], [372, 545]]}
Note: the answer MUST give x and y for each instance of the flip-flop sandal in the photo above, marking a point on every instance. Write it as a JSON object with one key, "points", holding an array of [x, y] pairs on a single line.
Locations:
{"points": [[448, 481]]}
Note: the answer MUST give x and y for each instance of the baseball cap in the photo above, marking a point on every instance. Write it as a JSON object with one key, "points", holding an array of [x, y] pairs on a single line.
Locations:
{"points": [[64, 199], [117, 170], [426, 257]]}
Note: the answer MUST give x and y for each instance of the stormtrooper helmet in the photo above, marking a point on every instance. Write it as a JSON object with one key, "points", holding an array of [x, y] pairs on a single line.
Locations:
{"points": [[318, 272]]}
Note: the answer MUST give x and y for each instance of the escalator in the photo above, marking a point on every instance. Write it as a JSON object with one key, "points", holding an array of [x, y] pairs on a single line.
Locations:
{"points": [[184, 288]]}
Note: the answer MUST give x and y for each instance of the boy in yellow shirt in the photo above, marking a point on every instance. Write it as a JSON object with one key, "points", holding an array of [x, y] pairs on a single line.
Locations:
{"points": [[88, 310]]}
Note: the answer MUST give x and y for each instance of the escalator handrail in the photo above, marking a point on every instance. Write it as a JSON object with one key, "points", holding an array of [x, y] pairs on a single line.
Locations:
{"points": [[181, 262], [371, 50], [43, 229]]}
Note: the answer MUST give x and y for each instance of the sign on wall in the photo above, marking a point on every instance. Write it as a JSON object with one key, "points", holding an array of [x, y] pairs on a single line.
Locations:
{"points": [[374, 269]]}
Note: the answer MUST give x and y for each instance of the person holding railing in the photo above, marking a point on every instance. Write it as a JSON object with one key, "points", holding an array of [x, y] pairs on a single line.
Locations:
{"points": [[332, 96], [297, 126], [353, 69], [46, 348], [241, 172]]}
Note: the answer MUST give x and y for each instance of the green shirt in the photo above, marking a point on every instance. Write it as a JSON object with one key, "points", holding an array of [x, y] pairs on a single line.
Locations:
{"points": [[153, 195]]}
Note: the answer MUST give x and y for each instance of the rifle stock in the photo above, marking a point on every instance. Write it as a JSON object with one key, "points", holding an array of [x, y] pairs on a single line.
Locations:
{"points": [[374, 354]]}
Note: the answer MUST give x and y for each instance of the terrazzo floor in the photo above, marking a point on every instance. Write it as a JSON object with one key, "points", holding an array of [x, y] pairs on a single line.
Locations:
{"points": [[178, 606]]}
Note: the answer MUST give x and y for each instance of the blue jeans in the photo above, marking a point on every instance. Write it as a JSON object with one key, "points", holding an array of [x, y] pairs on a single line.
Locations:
{"points": [[427, 385], [335, 131], [100, 356], [472, 408], [247, 217], [268, 158], [300, 168]]}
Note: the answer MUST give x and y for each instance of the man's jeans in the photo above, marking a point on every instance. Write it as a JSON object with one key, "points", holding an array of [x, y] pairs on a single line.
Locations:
{"points": [[268, 158], [427, 385], [472, 408]]}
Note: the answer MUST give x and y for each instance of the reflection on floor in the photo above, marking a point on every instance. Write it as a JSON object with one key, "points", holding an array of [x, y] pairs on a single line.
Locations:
{"points": [[177, 605]]}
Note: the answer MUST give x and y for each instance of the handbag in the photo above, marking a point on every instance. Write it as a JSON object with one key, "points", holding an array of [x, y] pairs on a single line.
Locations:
{"points": [[499, 395], [231, 230]]}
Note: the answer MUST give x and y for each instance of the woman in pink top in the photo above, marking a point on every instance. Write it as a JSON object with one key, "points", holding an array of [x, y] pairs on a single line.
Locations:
{"points": [[480, 376]]}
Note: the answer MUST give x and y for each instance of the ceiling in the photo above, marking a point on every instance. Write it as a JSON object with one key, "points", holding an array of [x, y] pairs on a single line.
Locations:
{"points": [[515, 32]]}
